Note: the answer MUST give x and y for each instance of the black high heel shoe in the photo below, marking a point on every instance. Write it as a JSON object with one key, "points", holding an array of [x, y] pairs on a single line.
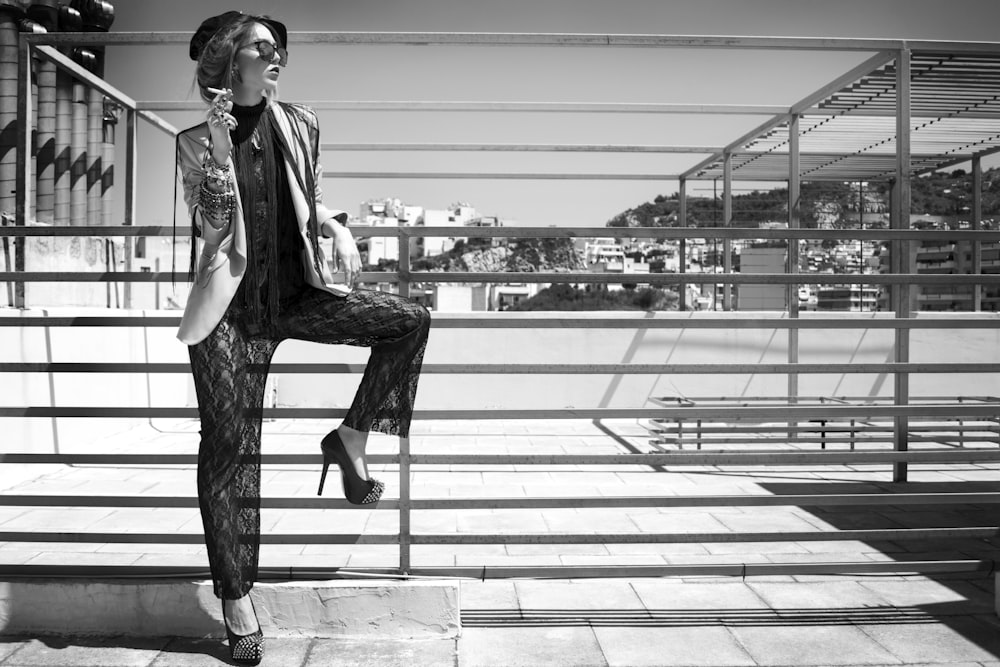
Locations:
{"points": [[245, 649], [357, 490]]}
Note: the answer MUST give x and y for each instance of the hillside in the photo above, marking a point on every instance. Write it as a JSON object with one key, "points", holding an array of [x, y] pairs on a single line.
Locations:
{"points": [[823, 204]]}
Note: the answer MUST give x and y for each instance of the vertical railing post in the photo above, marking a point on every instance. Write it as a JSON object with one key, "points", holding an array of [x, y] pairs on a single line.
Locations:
{"points": [[792, 259], [404, 505], [902, 292], [404, 262], [977, 224], [130, 176], [727, 221], [682, 246]]}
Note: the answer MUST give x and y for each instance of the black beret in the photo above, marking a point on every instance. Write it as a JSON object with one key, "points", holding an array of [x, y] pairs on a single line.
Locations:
{"points": [[210, 26]]}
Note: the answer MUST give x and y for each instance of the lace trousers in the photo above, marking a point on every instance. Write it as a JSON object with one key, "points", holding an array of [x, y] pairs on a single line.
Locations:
{"points": [[230, 371]]}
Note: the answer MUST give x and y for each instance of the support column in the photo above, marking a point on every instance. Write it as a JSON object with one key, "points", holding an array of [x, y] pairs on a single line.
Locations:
{"points": [[901, 262], [78, 157], [977, 224], [792, 256], [45, 159], [61, 164], [682, 250], [95, 153], [112, 112], [727, 220]]}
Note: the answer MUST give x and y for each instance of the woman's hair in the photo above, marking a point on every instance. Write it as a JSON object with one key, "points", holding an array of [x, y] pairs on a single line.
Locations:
{"points": [[215, 67]]}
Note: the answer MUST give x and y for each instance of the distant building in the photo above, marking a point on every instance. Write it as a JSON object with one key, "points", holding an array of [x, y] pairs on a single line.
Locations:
{"points": [[762, 296], [951, 258], [852, 298]]}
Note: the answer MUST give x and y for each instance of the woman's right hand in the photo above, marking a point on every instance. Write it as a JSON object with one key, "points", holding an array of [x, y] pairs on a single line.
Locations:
{"points": [[220, 122]]}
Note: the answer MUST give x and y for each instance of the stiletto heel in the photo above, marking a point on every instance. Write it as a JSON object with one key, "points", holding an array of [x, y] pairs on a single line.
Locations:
{"points": [[357, 490], [245, 649]]}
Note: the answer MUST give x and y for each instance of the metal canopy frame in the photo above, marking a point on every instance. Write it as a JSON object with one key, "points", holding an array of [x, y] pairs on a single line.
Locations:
{"points": [[849, 132]]}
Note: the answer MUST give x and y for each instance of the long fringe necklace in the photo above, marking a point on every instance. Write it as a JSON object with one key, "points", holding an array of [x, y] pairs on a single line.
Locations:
{"points": [[256, 167]]}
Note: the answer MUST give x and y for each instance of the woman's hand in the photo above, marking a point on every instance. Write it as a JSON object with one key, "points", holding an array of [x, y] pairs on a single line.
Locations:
{"points": [[220, 122], [346, 252]]}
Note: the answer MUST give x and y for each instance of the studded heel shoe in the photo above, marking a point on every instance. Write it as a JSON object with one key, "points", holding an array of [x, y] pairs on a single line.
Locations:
{"points": [[244, 649], [357, 490]]}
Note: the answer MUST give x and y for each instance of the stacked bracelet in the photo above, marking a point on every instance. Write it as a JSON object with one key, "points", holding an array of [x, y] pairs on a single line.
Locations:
{"points": [[218, 174], [217, 207]]}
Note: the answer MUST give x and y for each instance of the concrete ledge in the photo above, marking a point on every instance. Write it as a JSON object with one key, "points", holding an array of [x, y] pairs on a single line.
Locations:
{"points": [[323, 609]]}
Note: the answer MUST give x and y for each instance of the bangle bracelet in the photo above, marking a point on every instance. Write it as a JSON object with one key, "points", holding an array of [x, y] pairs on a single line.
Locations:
{"points": [[216, 207], [216, 172]]}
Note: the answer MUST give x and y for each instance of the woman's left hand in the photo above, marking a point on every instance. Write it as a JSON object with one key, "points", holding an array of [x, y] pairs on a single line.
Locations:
{"points": [[346, 252]]}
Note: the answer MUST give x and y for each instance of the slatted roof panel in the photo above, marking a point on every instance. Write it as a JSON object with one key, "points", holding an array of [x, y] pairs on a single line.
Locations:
{"points": [[851, 135]]}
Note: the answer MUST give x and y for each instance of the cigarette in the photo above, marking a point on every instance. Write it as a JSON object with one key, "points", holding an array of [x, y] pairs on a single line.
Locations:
{"points": [[216, 91]]}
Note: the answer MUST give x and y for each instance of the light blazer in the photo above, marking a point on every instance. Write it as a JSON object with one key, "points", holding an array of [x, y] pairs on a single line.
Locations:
{"points": [[223, 258]]}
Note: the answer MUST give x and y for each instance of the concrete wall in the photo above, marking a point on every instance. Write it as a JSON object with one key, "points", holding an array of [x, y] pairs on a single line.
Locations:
{"points": [[479, 345]]}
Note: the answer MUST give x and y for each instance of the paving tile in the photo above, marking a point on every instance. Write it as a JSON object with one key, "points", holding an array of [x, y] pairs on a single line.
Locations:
{"points": [[589, 522], [667, 595], [827, 595], [529, 647], [499, 594], [97, 652], [600, 594], [691, 522], [664, 646], [11, 645], [954, 596], [379, 652], [634, 559], [826, 645], [185, 652], [660, 548], [955, 639]]}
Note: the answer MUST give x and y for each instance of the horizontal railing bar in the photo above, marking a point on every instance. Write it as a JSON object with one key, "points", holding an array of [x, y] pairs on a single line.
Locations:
{"points": [[864, 535], [499, 176], [793, 412], [521, 369], [554, 277], [595, 320], [733, 232], [571, 107], [294, 573], [528, 148], [701, 278], [717, 458], [174, 502], [797, 500], [658, 459], [490, 106], [192, 538], [985, 532], [614, 40], [99, 84], [170, 459]]}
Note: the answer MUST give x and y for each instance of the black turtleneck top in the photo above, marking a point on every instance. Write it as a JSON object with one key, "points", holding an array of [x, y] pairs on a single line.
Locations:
{"points": [[275, 266]]}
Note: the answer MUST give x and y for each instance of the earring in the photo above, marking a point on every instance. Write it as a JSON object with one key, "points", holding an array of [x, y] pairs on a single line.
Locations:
{"points": [[236, 75]]}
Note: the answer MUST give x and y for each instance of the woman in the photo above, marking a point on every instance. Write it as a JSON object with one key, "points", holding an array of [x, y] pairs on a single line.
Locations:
{"points": [[251, 177]]}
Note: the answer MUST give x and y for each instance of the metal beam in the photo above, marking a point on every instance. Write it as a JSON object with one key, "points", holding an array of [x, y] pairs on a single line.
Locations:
{"points": [[548, 39], [900, 254], [867, 67]]}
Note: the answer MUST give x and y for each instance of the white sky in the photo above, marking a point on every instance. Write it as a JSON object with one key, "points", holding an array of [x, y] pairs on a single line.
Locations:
{"points": [[524, 74]]}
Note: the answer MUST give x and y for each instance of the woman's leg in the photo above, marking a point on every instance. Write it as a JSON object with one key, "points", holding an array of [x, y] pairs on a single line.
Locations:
{"points": [[393, 327], [230, 371]]}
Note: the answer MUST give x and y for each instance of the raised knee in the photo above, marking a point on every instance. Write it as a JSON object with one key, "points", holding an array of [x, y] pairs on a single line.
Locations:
{"points": [[423, 317]]}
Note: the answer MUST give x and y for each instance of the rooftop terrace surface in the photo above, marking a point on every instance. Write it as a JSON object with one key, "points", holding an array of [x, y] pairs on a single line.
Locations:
{"points": [[886, 619]]}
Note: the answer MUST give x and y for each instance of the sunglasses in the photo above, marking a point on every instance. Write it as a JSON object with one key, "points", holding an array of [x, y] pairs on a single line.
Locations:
{"points": [[266, 51]]}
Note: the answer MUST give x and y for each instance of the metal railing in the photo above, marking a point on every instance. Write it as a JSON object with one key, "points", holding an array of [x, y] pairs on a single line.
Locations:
{"points": [[901, 323]]}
